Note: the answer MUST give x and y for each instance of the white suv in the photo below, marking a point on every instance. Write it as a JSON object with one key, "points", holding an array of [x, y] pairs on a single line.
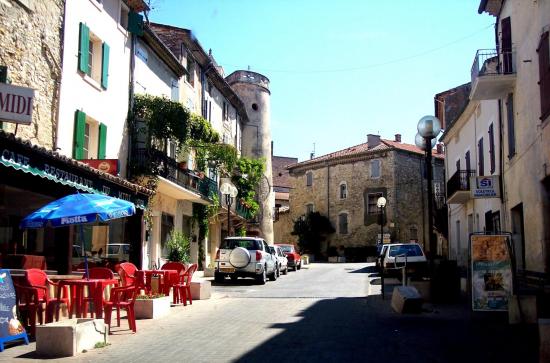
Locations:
{"points": [[245, 257]]}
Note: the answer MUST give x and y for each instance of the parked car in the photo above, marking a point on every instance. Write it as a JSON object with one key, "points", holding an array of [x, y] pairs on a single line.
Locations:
{"points": [[118, 251], [409, 255], [282, 261], [294, 258], [245, 257]]}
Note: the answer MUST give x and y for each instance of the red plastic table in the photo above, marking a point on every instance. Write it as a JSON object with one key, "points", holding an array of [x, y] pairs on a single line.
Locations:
{"points": [[167, 278], [95, 290]]}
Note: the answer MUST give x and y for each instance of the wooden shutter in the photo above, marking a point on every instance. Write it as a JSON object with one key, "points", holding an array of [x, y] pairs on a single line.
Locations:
{"points": [[135, 23], [79, 130], [544, 74], [105, 65], [102, 144], [511, 125], [481, 171], [83, 49], [492, 148]]}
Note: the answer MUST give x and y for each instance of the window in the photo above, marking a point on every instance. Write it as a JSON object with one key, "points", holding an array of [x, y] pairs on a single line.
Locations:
{"points": [[481, 156], [174, 90], [190, 77], [372, 199], [496, 222], [166, 228], [511, 126], [343, 191], [309, 179], [343, 223], [492, 148], [544, 75], [225, 111], [93, 56], [467, 159], [309, 208], [375, 169], [90, 138], [123, 16]]}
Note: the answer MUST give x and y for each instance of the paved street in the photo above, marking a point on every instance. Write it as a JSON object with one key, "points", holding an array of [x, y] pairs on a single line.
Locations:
{"points": [[321, 313]]}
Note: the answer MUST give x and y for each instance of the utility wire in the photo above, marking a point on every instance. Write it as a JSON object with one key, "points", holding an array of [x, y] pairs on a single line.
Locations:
{"points": [[369, 66]]}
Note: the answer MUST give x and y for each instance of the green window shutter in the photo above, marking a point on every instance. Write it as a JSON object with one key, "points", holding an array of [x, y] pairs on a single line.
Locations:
{"points": [[105, 66], [79, 130], [135, 23], [83, 49], [102, 145]]}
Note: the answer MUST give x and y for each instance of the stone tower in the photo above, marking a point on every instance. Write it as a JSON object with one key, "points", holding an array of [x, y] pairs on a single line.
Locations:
{"points": [[253, 90]]}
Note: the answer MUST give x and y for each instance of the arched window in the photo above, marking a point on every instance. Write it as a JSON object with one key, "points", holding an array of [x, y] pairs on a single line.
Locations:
{"points": [[343, 223], [343, 190]]}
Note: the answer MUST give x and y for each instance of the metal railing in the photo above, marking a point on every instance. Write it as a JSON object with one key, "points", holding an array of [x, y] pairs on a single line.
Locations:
{"points": [[460, 181], [493, 62]]}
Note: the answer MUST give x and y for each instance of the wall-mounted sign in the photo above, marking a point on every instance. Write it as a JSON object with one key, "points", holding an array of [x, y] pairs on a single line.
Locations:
{"points": [[109, 166], [491, 271], [16, 104], [485, 186]]}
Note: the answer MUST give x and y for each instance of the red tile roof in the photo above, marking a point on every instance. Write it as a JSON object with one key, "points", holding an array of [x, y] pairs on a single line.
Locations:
{"points": [[280, 172]]}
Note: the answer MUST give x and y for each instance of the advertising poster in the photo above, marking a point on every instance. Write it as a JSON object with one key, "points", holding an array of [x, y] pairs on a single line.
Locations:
{"points": [[491, 272]]}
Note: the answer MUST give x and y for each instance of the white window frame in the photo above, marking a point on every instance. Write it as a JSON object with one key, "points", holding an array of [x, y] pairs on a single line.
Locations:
{"points": [[91, 138]]}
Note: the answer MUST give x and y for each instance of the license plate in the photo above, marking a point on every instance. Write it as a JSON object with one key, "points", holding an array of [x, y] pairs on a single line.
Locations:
{"points": [[227, 269]]}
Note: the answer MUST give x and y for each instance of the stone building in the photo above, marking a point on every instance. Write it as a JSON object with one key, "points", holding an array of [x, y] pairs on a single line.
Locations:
{"points": [[345, 186], [282, 223]]}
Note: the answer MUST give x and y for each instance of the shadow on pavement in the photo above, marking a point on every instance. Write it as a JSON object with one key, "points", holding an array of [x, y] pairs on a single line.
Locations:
{"points": [[366, 329], [364, 270]]}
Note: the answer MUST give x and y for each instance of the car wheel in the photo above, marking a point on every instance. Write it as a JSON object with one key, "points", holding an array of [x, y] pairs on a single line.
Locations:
{"points": [[285, 271], [299, 266], [218, 277], [273, 276], [278, 271], [261, 278]]}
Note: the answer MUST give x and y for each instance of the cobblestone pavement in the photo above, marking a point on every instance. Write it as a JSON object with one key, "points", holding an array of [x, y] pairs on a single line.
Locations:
{"points": [[317, 314]]}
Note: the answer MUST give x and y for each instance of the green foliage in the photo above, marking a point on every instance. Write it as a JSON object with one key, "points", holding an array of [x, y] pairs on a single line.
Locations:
{"points": [[223, 157], [311, 231], [248, 176], [201, 130], [241, 232], [200, 216], [178, 247]]}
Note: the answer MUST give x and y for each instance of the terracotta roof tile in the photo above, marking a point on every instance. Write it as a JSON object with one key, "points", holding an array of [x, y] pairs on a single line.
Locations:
{"points": [[280, 173]]}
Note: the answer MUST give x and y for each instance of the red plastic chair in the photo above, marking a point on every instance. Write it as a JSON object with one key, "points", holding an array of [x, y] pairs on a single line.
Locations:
{"points": [[185, 286], [121, 298], [95, 273], [127, 273], [34, 296], [175, 284]]}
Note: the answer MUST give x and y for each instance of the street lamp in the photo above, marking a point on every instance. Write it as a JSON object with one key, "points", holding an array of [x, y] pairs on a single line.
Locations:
{"points": [[381, 203], [230, 191], [429, 128]]}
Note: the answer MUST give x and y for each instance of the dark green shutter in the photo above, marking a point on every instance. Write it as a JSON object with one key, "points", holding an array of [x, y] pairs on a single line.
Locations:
{"points": [[102, 145], [105, 66], [79, 131], [135, 23], [83, 49]]}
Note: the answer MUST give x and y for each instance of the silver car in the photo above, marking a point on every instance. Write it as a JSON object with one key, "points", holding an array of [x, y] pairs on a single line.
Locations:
{"points": [[245, 257], [282, 261]]}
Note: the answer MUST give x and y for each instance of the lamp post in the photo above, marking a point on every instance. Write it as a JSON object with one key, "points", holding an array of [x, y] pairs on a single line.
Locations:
{"points": [[429, 128], [381, 203], [230, 191]]}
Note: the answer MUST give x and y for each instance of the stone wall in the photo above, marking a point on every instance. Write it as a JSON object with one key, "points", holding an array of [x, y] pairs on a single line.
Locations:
{"points": [[30, 34], [282, 229]]}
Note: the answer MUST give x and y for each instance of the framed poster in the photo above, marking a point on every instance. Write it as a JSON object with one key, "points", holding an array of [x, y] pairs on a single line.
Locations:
{"points": [[491, 271]]}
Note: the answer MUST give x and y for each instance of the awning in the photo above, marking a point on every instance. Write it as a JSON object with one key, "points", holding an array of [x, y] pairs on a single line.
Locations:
{"points": [[175, 191]]}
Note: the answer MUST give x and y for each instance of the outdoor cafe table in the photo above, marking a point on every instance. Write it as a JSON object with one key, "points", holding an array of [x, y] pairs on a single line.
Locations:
{"points": [[95, 291], [167, 278]]}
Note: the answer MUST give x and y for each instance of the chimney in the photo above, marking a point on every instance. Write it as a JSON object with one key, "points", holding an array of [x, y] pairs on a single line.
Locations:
{"points": [[373, 140], [397, 137], [440, 149]]}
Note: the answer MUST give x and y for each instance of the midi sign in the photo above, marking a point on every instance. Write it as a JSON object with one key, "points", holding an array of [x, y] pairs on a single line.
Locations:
{"points": [[485, 186], [16, 104]]}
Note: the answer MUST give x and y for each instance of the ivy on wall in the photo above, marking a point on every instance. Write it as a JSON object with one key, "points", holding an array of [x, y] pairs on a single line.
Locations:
{"points": [[247, 178]]}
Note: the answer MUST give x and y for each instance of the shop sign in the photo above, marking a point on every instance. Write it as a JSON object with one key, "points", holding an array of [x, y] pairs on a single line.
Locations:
{"points": [[16, 104], [10, 326], [109, 166], [485, 186], [491, 271]]}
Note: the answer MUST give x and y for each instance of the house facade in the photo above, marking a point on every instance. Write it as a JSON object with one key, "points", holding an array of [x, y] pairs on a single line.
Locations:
{"points": [[282, 223], [345, 185]]}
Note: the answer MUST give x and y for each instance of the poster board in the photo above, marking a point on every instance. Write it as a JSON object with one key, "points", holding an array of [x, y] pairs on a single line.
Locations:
{"points": [[10, 326], [491, 272]]}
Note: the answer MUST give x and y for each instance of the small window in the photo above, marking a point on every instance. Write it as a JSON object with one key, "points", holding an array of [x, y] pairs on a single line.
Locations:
{"points": [[372, 200], [309, 208], [190, 77], [309, 179], [343, 223], [123, 17], [255, 107], [343, 191], [375, 169]]}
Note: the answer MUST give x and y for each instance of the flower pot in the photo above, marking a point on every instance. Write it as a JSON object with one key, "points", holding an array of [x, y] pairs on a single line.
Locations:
{"points": [[152, 308]]}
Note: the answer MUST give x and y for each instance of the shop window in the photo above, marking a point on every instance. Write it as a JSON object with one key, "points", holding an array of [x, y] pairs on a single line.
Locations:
{"points": [[90, 138], [93, 56]]}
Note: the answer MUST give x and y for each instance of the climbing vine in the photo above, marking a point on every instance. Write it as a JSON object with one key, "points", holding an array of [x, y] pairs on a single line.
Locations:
{"points": [[247, 178]]}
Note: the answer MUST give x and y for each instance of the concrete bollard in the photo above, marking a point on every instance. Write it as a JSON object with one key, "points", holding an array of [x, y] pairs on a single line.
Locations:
{"points": [[200, 290], [406, 299]]}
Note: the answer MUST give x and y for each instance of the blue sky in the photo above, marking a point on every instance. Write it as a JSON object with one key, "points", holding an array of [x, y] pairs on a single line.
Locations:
{"points": [[340, 70]]}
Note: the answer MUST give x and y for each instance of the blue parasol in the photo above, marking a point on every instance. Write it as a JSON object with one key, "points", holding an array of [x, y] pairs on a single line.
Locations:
{"points": [[79, 209]]}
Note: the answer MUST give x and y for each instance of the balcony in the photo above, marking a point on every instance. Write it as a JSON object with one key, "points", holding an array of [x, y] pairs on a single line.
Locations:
{"points": [[458, 187], [493, 74], [197, 187]]}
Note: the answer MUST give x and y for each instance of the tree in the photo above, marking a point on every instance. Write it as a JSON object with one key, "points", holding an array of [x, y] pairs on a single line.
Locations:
{"points": [[312, 229]]}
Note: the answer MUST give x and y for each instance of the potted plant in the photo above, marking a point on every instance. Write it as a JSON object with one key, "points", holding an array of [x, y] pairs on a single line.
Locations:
{"points": [[178, 247], [151, 306]]}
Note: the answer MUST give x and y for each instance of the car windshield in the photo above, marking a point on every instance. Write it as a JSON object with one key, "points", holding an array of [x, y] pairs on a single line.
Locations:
{"points": [[287, 248], [249, 244], [409, 250]]}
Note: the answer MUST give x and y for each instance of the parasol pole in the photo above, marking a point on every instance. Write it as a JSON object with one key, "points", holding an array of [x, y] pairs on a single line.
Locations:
{"points": [[84, 251]]}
